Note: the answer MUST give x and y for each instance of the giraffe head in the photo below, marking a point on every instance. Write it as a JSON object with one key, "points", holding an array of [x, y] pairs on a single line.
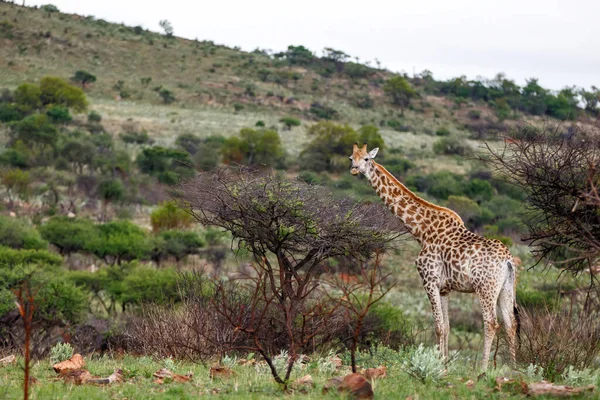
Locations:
{"points": [[361, 158]]}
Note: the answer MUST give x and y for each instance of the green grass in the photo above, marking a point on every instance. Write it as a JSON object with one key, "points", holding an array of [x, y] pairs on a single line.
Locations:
{"points": [[246, 383]]}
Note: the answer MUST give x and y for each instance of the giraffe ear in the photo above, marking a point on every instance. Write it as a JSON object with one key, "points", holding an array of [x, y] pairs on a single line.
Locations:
{"points": [[373, 152], [354, 147]]}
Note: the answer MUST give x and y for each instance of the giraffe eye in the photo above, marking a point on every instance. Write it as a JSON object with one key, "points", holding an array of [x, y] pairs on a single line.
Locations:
{"points": [[366, 158]]}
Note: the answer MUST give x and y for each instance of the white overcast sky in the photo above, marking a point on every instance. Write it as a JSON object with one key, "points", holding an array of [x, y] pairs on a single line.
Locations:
{"points": [[555, 41]]}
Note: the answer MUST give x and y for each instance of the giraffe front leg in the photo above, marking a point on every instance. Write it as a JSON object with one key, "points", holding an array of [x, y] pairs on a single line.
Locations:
{"points": [[438, 316], [446, 332]]}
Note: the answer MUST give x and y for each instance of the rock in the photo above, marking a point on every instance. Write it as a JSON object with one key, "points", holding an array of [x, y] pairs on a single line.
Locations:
{"points": [[75, 376], [374, 373], [356, 385], [116, 376], [71, 215], [337, 361], [76, 362], [219, 371], [547, 388], [8, 360], [306, 380], [164, 373], [12, 214], [470, 384]]}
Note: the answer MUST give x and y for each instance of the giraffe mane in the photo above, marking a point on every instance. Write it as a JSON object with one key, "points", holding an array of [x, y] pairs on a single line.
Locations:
{"points": [[416, 198]]}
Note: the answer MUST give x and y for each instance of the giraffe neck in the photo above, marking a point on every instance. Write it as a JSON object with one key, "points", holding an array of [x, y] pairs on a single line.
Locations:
{"points": [[423, 219]]}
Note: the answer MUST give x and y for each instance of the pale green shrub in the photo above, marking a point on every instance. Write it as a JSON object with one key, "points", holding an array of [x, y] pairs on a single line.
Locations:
{"points": [[425, 364], [61, 352]]}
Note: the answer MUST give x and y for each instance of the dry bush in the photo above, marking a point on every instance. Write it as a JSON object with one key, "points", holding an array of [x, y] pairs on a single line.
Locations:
{"points": [[556, 340], [193, 330]]}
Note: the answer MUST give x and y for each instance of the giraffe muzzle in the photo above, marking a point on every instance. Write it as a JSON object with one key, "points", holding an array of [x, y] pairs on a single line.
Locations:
{"points": [[354, 171]]}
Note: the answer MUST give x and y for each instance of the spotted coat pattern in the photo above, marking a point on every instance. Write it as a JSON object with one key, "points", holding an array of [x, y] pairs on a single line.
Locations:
{"points": [[452, 258]]}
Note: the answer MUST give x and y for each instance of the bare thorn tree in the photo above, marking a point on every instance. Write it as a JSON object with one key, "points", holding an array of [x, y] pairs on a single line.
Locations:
{"points": [[557, 168], [290, 228]]}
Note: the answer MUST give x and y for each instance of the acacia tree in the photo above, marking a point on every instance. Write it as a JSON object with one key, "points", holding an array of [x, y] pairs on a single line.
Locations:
{"points": [[558, 169], [290, 228], [400, 90]]}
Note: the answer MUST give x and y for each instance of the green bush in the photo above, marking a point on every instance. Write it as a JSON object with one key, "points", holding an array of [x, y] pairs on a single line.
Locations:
{"points": [[168, 165], [119, 241], [59, 114], [9, 113], [111, 190], [474, 114], [370, 134], [94, 116], [176, 244], [84, 78], [290, 122], [149, 285], [56, 91], [330, 143], [139, 138], [27, 97], [425, 364], [167, 96], [51, 8], [442, 131], [168, 216], [452, 146], [260, 147], [60, 352], [69, 235], [321, 111], [537, 299], [208, 153], [15, 233]]}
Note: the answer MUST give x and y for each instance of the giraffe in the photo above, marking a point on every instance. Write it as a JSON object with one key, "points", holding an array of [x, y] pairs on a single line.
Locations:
{"points": [[452, 258]]}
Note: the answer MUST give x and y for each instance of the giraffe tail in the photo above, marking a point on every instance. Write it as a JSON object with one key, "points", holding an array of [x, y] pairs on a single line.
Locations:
{"points": [[516, 311]]}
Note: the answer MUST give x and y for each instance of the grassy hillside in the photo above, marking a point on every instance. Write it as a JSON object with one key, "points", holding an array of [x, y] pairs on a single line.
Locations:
{"points": [[207, 80]]}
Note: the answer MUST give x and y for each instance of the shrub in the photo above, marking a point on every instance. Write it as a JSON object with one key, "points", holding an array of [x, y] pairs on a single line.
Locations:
{"points": [[451, 146], [364, 101], [69, 235], [56, 91], [321, 111], [168, 216], [370, 134], [443, 131], [60, 352], [329, 141], [289, 122], [119, 241], [59, 114], [189, 142], [111, 190], [425, 364], [94, 116], [50, 8], [474, 114], [143, 285], [176, 244], [27, 97], [139, 138], [84, 78], [166, 95], [208, 153], [237, 107], [168, 165], [573, 335], [9, 113], [15, 233], [254, 147]]}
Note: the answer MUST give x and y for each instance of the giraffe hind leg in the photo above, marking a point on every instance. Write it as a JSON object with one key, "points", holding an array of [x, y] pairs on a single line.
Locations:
{"points": [[506, 303], [490, 325], [446, 326]]}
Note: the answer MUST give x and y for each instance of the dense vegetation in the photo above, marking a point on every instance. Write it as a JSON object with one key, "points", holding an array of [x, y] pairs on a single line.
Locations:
{"points": [[92, 151]]}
